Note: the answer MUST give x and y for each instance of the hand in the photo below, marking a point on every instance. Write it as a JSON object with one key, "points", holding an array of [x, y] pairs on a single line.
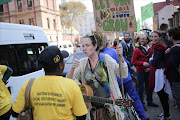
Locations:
{"points": [[167, 51], [145, 64], [119, 51], [147, 70], [76, 62]]}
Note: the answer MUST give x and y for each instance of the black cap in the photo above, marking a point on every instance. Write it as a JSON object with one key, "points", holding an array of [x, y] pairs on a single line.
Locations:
{"points": [[52, 56]]}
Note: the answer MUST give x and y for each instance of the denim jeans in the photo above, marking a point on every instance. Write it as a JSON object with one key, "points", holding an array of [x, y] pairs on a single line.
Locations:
{"points": [[143, 77]]}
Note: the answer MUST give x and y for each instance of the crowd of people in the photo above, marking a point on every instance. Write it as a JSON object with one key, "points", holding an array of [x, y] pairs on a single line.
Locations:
{"points": [[155, 63]]}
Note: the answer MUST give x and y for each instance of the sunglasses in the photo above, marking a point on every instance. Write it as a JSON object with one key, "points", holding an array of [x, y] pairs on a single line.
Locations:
{"points": [[92, 35]]}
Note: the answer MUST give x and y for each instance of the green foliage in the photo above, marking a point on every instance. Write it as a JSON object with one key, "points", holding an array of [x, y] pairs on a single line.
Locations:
{"points": [[72, 14]]}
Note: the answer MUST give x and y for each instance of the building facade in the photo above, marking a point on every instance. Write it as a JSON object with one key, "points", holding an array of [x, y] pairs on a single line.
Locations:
{"points": [[163, 16], [88, 24], [43, 13], [163, 12]]}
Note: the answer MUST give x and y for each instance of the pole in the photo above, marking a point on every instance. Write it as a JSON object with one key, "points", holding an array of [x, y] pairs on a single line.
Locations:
{"points": [[122, 86], [34, 14]]}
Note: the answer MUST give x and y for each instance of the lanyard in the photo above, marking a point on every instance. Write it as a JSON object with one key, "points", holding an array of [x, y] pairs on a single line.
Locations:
{"points": [[91, 66]]}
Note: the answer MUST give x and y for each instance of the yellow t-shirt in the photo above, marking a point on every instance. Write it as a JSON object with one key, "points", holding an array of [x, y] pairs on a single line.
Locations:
{"points": [[5, 96], [53, 98]]}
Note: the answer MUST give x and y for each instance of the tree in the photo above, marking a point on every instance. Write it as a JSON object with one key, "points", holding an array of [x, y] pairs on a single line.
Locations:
{"points": [[145, 25], [71, 14]]}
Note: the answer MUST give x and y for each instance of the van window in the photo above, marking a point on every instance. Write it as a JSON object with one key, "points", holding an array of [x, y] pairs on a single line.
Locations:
{"points": [[70, 45], [65, 46], [22, 58]]}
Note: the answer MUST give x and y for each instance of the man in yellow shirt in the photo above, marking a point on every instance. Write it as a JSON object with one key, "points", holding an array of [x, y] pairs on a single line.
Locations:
{"points": [[5, 96], [53, 97]]}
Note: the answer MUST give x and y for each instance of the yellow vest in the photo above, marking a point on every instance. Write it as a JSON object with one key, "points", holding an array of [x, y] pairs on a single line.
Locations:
{"points": [[5, 96]]}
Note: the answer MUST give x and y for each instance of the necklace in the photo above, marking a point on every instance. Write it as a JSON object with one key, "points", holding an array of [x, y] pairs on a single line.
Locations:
{"points": [[92, 71]]}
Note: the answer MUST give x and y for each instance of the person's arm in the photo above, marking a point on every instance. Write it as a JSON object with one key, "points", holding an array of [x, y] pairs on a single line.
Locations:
{"points": [[159, 54], [81, 117], [7, 74], [172, 58], [78, 107], [135, 57], [14, 114], [74, 66], [19, 103]]}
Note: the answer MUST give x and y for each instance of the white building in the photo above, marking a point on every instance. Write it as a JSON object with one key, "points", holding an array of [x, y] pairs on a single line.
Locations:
{"points": [[64, 1], [88, 24], [165, 13]]}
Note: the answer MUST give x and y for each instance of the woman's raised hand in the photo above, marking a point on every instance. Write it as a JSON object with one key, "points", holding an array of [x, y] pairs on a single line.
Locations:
{"points": [[76, 62], [119, 51]]}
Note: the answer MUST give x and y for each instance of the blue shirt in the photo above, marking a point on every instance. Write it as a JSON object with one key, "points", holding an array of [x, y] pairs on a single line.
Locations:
{"points": [[112, 52]]}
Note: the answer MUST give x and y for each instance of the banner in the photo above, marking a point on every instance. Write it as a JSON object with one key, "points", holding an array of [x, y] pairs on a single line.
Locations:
{"points": [[114, 15], [147, 11], [4, 1], [138, 25]]}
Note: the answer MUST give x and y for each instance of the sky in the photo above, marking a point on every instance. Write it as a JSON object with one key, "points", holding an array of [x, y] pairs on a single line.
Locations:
{"points": [[137, 7]]}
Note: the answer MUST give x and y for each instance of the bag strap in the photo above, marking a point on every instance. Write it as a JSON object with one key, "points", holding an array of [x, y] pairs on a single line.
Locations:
{"points": [[144, 51], [28, 93]]}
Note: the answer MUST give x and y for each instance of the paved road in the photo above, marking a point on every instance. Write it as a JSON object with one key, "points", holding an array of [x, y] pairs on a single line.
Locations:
{"points": [[152, 112]]}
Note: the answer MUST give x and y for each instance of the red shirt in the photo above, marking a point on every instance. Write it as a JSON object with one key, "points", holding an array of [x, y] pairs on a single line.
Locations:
{"points": [[138, 58], [113, 47]]}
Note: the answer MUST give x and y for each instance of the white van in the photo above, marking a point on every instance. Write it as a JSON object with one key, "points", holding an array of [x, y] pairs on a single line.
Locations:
{"points": [[20, 47], [66, 45]]}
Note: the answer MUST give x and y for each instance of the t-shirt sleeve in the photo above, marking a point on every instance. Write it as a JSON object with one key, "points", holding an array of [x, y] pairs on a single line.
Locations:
{"points": [[79, 107], [19, 103], [3, 69]]}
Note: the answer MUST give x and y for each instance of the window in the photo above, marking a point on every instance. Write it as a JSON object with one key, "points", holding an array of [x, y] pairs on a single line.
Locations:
{"points": [[52, 4], [56, 38], [46, 2], [19, 4], [31, 21], [50, 39], [24, 57], [69, 45], [21, 21], [65, 46], [54, 21], [29, 3], [1, 8], [48, 23]]}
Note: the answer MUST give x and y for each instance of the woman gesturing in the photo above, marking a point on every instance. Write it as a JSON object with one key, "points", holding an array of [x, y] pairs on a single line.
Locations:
{"points": [[99, 72]]}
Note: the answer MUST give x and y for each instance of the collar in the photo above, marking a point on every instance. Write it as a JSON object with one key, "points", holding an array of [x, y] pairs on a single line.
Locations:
{"points": [[128, 44], [146, 48]]}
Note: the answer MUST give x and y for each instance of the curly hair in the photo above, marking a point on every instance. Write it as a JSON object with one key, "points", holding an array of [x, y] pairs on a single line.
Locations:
{"points": [[98, 38], [101, 40]]}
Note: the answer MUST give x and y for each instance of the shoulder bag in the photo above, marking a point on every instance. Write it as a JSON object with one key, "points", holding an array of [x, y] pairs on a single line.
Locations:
{"points": [[26, 113]]}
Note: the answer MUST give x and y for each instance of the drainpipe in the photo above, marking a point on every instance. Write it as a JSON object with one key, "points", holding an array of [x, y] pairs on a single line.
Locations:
{"points": [[35, 22], [8, 12]]}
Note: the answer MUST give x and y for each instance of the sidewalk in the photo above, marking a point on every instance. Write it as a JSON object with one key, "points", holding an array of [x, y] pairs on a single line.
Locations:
{"points": [[152, 112]]}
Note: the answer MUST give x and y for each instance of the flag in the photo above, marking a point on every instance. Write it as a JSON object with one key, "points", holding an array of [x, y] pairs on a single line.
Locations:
{"points": [[4, 1], [147, 11], [138, 25]]}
